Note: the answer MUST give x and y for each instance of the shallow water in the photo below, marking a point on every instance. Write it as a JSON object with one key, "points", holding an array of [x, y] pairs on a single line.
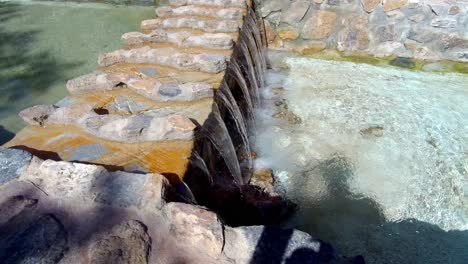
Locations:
{"points": [[43, 44], [379, 164]]}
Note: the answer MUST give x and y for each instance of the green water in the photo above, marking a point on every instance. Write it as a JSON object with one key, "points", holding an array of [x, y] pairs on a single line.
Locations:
{"points": [[44, 44]]}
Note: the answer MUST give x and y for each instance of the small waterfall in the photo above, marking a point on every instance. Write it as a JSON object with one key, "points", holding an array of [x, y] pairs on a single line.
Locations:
{"points": [[198, 162], [227, 99], [216, 131], [235, 72]]}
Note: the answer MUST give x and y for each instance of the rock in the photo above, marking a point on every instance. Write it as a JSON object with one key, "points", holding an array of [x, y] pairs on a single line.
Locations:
{"points": [[260, 244], [296, 12], [369, 5], [390, 5], [85, 183], [333, 2], [444, 23], [263, 178], [13, 162], [288, 33], [422, 35], [454, 10], [355, 35], [424, 53], [321, 25], [124, 243], [44, 241], [195, 226], [451, 41], [411, 44], [13, 206], [389, 48], [311, 47], [205, 62], [417, 18], [206, 25], [402, 62], [127, 105], [96, 82], [318, 1], [269, 32], [213, 3], [87, 152], [385, 33], [191, 10], [37, 115], [439, 9], [149, 72], [270, 6]]}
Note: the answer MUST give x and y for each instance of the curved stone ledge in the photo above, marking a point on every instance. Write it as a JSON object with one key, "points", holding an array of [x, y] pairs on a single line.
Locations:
{"points": [[205, 62], [183, 39], [223, 13], [152, 125], [150, 88], [206, 25]]}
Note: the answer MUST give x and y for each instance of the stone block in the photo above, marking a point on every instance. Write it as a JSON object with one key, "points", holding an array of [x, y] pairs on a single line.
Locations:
{"points": [[390, 5], [195, 226], [369, 5], [321, 25], [296, 12], [223, 13], [96, 82], [288, 33], [128, 242], [267, 7], [214, 3], [37, 115]]}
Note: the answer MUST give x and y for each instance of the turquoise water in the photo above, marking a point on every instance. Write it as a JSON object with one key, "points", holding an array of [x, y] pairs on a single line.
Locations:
{"points": [[379, 164], [43, 44]]}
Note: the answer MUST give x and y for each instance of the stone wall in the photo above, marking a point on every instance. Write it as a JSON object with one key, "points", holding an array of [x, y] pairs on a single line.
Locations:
{"points": [[422, 29]]}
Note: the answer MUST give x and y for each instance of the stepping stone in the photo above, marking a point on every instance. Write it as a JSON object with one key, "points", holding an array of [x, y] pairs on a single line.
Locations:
{"points": [[207, 25], [205, 62], [214, 3], [223, 13], [183, 39]]}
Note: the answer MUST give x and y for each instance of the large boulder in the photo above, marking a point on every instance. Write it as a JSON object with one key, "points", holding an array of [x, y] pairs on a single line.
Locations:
{"points": [[321, 25]]}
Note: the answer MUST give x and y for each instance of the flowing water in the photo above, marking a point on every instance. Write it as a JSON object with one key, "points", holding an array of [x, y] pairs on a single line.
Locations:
{"points": [[379, 163], [43, 44]]}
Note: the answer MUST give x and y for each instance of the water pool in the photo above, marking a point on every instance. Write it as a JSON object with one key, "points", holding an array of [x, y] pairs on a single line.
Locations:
{"points": [[379, 164], [43, 44]]}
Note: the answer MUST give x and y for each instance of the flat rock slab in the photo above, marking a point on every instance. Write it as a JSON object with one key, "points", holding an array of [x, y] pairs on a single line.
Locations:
{"points": [[191, 10], [214, 3], [184, 39], [206, 25], [205, 62]]}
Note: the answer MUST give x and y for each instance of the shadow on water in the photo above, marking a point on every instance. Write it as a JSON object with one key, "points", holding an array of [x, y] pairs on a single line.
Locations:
{"points": [[356, 224], [24, 73]]}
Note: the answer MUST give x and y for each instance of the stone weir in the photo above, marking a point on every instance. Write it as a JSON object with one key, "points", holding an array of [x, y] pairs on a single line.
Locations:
{"points": [[99, 177]]}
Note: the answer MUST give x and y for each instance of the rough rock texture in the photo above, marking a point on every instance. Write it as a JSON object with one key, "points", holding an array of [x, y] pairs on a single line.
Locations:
{"points": [[205, 62], [374, 27], [223, 13], [44, 241], [206, 25], [207, 235], [12, 163], [125, 243]]}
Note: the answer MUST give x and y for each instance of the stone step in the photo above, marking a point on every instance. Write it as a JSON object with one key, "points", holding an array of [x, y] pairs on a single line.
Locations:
{"points": [[211, 3], [205, 62], [165, 73], [149, 126], [184, 39], [154, 89], [223, 13], [206, 25]]}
